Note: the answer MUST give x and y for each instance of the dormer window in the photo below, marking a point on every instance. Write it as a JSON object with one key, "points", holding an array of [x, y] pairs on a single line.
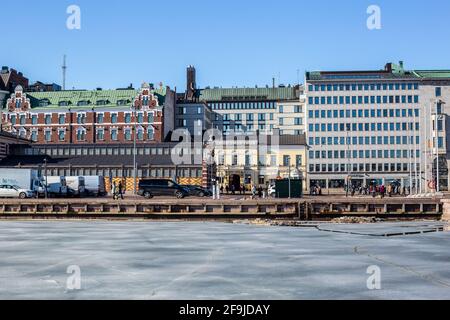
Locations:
{"points": [[102, 102], [44, 103], [63, 103], [83, 103], [122, 102]]}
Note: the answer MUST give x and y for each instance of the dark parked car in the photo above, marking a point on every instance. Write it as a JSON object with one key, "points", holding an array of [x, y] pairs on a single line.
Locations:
{"points": [[198, 191], [149, 188]]}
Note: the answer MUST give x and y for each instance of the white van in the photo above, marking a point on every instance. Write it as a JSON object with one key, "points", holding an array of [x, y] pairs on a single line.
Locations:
{"points": [[75, 186], [95, 185], [56, 186]]}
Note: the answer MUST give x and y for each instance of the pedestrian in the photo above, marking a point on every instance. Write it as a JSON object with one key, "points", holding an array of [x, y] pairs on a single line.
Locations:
{"points": [[221, 189], [260, 191], [121, 191], [114, 191], [382, 191], [253, 192], [389, 190], [227, 189], [233, 189]]}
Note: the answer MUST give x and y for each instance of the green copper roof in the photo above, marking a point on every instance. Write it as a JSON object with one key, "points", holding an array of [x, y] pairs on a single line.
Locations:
{"points": [[229, 94], [434, 74], [110, 98]]}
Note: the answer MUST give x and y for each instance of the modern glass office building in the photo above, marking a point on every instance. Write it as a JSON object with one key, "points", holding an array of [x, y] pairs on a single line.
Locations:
{"points": [[370, 127]]}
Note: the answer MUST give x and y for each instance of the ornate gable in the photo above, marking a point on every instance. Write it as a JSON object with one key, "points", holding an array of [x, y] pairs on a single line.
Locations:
{"points": [[18, 101], [146, 100]]}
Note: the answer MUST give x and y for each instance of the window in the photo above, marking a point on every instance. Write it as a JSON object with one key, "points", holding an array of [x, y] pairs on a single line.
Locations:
{"points": [[140, 117], [113, 117], [127, 134], [48, 119], [61, 118], [48, 135], [298, 121], [100, 118], [150, 133], [100, 134], [234, 160], [81, 118], [298, 160], [151, 117], [114, 134], [281, 109], [23, 119], [61, 135], [81, 134], [127, 117], [34, 119], [286, 160], [140, 134], [34, 135], [438, 91]]}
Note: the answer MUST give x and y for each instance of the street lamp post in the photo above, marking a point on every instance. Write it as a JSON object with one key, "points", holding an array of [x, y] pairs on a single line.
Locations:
{"points": [[348, 159], [46, 180], [134, 152], [438, 117], [289, 178]]}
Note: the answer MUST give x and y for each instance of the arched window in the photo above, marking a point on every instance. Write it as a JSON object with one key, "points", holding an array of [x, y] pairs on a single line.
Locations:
{"points": [[150, 133]]}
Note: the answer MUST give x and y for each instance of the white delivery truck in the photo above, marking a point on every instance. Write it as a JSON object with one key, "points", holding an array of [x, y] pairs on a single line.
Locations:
{"points": [[75, 186], [56, 186], [94, 185], [28, 179]]}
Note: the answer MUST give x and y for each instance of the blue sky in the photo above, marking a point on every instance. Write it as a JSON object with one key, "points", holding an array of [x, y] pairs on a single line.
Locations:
{"points": [[231, 43]]}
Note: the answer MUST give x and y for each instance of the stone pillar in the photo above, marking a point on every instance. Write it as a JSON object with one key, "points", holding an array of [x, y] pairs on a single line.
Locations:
{"points": [[3, 97], [446, 210]]}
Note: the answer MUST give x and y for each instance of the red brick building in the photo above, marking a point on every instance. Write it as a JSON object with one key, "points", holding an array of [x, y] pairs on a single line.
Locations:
{"points": [[86, 117], [10, 79]]}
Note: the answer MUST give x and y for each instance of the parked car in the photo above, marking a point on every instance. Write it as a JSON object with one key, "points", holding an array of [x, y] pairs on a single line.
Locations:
{"points": [[9, 191], [149, 188], [197, 191]]}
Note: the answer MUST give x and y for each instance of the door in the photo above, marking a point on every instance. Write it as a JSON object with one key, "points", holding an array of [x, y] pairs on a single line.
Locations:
{"points": [[3, 192]]}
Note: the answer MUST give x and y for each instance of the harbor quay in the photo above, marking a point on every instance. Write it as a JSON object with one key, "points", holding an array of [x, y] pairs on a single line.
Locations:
{"points": [[228, 208]]}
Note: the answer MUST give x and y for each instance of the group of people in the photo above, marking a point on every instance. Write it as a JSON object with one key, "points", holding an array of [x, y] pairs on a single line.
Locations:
{"points": [[232, 189], [259, 192], [117, 190], [379, 190], [316, 190]]}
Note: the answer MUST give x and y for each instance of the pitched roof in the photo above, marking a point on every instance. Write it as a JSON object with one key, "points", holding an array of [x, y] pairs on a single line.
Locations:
{"points": [[433, 74], [236, 94], [113, 160], [110, 97]]}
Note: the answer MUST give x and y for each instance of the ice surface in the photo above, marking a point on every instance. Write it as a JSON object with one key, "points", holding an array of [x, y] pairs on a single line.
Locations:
{"points": [[195, 260]]}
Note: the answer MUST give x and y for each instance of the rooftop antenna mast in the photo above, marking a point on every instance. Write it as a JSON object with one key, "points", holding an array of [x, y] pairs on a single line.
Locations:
{"points": [[64, 69]]}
